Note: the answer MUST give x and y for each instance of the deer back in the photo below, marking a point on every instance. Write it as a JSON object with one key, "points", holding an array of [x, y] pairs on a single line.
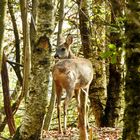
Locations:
{"points": [[76, 73]]}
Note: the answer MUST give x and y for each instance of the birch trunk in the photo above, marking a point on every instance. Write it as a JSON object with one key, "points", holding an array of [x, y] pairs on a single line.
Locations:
{"points": [[53, 95], [41, 29]]}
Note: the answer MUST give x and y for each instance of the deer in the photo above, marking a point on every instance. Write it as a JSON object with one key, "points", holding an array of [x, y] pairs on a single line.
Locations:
{"points": [[74, 75]]}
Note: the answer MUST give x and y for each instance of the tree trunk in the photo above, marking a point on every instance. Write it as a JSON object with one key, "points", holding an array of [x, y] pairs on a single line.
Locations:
{"points": [[26, 47], [113, 107], [17, 42], [53, 95], [60, 24], [84, 28], [2, 26], [132, 86], [41, 27], [98, 88], [115, 85], [50, 111], [6, 95], [86, 47]]}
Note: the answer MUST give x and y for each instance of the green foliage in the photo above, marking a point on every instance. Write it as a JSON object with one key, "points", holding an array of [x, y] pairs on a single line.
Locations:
{"points": [[110, 53], [112, 47]]}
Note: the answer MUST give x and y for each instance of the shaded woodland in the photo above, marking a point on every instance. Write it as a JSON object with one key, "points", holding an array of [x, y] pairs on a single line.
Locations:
{"points": [[104, 32]]}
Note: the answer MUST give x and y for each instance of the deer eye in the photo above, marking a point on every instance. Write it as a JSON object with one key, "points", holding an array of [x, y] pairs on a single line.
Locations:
{"points": [[63, 49]]}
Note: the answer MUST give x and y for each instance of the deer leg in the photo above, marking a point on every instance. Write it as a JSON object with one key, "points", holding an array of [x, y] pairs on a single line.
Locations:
{"points": [[83, 115], [66, 103], [87, 110], [87, 106], [77, 96], [86, 91], [59, 92]]}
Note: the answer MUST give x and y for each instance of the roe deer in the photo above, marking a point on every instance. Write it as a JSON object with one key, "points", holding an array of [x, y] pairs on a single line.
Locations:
{"points": [[73, 74]]}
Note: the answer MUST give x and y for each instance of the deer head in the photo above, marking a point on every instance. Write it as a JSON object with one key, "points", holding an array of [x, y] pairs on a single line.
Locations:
{"points": [[64, 49]]}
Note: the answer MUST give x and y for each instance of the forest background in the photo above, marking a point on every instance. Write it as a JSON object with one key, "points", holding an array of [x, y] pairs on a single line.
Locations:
{"points": [[105, 32]]}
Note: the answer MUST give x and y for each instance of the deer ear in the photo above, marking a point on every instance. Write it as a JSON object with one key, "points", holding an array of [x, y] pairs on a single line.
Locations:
{"points": [[69, 39]]}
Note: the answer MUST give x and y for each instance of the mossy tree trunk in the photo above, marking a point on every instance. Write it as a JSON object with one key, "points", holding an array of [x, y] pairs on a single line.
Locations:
{"points": [[98, 87], [41, 29], [53, 95], [131, 130]]}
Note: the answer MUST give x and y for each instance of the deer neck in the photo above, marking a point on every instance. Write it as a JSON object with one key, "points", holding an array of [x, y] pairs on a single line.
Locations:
{"points": [[71, 55]]}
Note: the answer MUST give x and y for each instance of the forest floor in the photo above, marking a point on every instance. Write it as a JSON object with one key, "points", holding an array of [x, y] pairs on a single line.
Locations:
{"points": [[105, 133]]}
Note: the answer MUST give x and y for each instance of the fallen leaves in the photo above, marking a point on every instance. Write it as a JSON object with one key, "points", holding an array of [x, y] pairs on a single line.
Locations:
{"points": [[105, 133]]}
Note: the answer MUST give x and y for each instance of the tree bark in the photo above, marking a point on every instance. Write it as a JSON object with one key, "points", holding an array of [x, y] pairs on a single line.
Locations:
{"points": [[84, 28], [17, 42], [6, 95], [115, 85], [98, 88], [26, 47], [86, 47], [60, 23], [112, 108], [132, 86], [2, 26], [53, 95], [41, 29], [51, 107]]}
